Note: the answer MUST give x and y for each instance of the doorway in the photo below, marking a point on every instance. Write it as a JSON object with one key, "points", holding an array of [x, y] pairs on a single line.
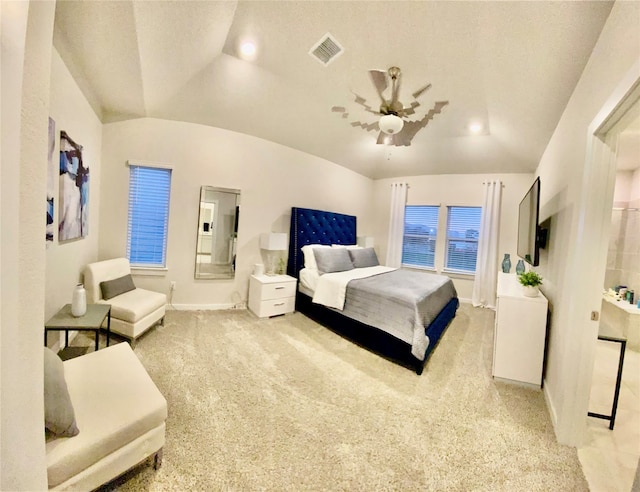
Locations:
{"points": [[609, 457]]}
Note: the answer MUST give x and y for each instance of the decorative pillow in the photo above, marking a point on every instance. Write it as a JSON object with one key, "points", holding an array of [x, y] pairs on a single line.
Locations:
{"points": [[309, 257], [331, 260], [365, 257], [117, 286], [59, 417]]}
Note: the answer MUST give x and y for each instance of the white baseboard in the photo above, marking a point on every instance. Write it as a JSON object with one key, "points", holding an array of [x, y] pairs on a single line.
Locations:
{"points": [[550, 406], [206, 307]]}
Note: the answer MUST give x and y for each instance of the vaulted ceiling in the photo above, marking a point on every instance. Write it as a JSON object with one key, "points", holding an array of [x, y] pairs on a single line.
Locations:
{"points": [[511, 66]]}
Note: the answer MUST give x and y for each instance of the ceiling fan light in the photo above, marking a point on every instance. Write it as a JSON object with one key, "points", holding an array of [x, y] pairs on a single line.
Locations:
{"points": [[390, 124]]}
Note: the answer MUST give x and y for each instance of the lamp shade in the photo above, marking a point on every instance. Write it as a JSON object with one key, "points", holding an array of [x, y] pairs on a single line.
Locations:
{"points": [[273, 241], [390, 124]]}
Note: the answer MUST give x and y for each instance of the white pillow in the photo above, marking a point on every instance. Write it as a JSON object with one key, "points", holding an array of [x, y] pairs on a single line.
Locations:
{"points": [[309, 257], [347, 246]]}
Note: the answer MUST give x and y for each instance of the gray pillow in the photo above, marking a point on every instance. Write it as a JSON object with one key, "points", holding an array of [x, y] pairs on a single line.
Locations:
{"points": [[59, 417], [365, 257], [331, 260], [117, 286]]}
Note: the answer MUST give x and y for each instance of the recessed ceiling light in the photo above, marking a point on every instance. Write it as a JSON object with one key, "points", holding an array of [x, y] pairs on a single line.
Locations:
{"points": [[475, 127], [248, 50]]}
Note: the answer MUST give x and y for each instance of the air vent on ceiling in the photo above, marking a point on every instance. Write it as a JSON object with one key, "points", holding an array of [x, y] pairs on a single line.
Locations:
{"points": [[326, 50]]}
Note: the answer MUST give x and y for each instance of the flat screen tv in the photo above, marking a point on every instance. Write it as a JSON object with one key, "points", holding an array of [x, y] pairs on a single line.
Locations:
{"points": [[529, 233]]}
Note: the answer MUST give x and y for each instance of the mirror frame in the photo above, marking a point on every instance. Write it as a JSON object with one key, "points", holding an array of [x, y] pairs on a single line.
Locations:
{"points": [[198, 274]]}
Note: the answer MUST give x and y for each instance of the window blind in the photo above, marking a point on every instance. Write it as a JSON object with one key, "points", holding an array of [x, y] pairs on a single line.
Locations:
{"points": [[419, 238], [463, 230], [149, 191]]}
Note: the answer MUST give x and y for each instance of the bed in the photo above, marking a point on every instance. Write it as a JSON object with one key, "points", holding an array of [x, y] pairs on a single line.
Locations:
{"points": [[371, 327]]}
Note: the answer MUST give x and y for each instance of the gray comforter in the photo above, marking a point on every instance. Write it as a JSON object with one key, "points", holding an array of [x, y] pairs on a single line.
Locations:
{"points": [[401, 303]]}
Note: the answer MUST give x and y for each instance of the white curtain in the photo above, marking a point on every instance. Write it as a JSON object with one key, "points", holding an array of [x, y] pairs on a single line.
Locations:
{"points": [[484, 287], [396, 224]]}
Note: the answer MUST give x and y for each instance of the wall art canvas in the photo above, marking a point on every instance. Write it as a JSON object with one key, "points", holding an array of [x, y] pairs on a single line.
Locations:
{"points": [[51, 177], [73, 220]]}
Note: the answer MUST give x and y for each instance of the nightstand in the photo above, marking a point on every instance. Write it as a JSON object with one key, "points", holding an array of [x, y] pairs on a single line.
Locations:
{"points": [[272, 295]]}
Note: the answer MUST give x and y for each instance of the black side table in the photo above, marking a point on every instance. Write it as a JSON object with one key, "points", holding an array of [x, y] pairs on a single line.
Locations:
{"points": [[92, 320]]}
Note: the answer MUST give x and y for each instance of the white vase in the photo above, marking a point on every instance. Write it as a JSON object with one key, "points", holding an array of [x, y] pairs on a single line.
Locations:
{"points": [[79, 301], [531, 290]]}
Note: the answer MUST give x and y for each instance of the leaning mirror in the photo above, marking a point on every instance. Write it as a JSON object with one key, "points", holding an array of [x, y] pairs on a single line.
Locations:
{"points": [[217, 233]]}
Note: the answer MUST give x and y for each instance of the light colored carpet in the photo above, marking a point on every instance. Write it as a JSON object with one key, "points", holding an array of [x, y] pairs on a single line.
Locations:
{"points": [[285, 404]]}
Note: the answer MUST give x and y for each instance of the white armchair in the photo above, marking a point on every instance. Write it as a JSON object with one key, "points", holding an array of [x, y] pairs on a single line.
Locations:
{"points": [[133, 311], [119, 411]]}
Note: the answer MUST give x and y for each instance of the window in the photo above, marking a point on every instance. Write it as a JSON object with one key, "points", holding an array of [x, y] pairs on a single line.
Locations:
{"points": [[419, 239], [463, 229], [149, 190]]}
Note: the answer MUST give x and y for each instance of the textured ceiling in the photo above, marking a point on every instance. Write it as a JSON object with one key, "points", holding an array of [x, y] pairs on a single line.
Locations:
{"points": [[510, 65]]}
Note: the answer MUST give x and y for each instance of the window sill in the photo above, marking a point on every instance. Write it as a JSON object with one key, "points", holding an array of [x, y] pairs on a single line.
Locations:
{"points": [[460, 274], [419, 267], [149, 271]]}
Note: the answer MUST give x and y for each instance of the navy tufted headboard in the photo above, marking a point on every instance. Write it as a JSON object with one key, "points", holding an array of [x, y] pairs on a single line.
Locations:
{"points": [[310, 226]]}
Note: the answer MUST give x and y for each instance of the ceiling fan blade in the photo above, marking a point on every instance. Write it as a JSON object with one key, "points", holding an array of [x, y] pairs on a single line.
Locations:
{"points": [[380, 82], [402, 139], [439, 105], [363, 102], [412, 127], [410, 110], [340, 109], [419, 92], [385, 139], [365, 126]]}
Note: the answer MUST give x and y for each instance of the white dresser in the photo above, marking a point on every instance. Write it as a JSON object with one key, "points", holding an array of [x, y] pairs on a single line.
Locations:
{"points": [[520, 333], [272, 295]]}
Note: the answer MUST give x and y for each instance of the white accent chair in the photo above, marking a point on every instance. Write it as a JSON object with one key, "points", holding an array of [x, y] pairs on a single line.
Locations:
{"points": [[121, 416], [133, 312]]}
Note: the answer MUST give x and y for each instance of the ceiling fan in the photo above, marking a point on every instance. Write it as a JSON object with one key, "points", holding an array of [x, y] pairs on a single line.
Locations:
{"points": [[394, 125]]}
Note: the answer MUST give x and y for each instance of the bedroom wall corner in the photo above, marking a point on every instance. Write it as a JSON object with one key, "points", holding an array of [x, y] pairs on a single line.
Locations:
{"points": [[72, 113]]}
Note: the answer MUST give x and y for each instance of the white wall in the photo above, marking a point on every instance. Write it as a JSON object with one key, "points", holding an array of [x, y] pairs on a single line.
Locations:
{"points": [[622, 190], [272, 178], [561, 172], [454, 190], [634, 190], [27, 30], [627, 190], [73, 114]]}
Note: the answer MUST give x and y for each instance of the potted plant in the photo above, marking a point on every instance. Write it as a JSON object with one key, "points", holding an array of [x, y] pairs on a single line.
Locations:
{"points": [[530, 280]]}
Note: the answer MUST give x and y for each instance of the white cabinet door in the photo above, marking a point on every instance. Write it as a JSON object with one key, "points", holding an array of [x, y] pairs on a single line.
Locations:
{"points": [[520, 337], [520, 333]]}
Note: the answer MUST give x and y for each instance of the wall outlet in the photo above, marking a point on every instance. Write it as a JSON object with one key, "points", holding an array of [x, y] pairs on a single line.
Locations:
{"points": [[172, 285]]}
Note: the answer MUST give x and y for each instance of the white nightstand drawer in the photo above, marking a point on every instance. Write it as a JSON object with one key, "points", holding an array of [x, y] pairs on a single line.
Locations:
{"points": [[272, 295], [274, 307], [277, 290]]}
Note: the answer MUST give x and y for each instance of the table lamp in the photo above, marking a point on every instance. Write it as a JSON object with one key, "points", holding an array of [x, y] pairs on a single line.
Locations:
{"points": [[273, 241]]}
